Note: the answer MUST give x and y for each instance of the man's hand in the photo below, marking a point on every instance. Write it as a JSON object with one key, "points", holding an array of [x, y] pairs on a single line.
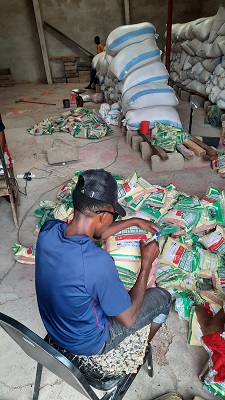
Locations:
{"points": [[146, 225], [149, 252]]}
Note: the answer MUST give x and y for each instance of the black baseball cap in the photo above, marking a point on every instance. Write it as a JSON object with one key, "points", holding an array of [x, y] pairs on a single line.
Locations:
{"points": [[100, 185]]}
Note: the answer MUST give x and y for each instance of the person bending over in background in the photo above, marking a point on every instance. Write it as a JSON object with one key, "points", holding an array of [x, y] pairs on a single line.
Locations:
{"points": [[94, 80], [84, 306]]}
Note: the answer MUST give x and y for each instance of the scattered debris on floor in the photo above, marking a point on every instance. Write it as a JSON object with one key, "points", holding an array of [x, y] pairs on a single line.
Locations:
{"points": [[79, 122]]}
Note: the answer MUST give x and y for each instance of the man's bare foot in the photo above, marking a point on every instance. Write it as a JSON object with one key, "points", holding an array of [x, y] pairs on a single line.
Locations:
{"points": [[210, 325]]}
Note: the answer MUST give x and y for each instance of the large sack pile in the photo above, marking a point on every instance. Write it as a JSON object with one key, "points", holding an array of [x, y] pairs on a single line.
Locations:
{"points": [[197, 56], [131, 73]]}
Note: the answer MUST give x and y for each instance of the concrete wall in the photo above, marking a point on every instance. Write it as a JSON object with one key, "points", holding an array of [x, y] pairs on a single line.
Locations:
{"points": [[19, 43], [80, 20]]}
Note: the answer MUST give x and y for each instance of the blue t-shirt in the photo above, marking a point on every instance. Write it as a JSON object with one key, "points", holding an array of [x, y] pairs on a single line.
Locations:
{"points": [[77, 287]]}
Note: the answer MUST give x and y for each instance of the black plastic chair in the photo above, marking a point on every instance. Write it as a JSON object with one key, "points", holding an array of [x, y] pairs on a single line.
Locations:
{"points": [[45, 355]]}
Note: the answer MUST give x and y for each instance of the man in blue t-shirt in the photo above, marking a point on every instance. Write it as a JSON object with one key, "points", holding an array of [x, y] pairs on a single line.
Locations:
{"points": [[83, 304]]}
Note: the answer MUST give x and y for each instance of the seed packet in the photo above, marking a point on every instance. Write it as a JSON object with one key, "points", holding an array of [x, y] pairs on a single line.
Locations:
{"points": [[208, 263], [155, 213], [157, 197], [183, 305], [63, 211], [165, 273], [184, 218], [215, 241], [218, 278], [79, 131], [177, 255], [191, 203], [24, 255], [128, 186], [206, 222]]}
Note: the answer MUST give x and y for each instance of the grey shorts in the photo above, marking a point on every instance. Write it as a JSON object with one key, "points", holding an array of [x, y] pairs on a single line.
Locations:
{"points": [[155, 308]]}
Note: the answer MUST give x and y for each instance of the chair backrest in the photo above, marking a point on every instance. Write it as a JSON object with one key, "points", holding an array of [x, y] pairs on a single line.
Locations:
{"points": [[35, 347]]}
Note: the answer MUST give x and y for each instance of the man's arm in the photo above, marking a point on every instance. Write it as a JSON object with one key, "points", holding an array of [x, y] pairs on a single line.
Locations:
{"points": [[118, 226], [149, 254]]}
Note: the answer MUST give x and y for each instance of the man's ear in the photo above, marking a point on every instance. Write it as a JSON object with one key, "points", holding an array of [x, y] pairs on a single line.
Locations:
{"points": [[102, 216]]}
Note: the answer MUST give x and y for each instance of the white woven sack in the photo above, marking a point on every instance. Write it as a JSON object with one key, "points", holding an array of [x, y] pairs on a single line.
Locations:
{"points": [[133, 57], [194, 60], [204, 76], [221, 100], [197, 87], [197, 69], [194, 45], [187, 64], [190, 74], [151, 72], [217, 24], [214, 79], [183, 75], [126, 35], [186, 81], [101, 63], [108, 81], [208, 87], [108, 57], [101, 79], [215, 50], [215, 92], [175, 32], [189, 30], [183, 31], [117, 87], [104, 67], [186, 47], [202, 30], [176, 47], [149, 95], [221, 31], [221, 82], [176, 67], [219, 70], [183, 58], [163, 114], [204, 48], [96, 58], [210, 64], [221, 45], [175, 77]]}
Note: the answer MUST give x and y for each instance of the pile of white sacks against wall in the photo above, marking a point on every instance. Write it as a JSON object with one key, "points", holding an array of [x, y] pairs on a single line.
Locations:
{"points": [[198, 56], [133, 78]]}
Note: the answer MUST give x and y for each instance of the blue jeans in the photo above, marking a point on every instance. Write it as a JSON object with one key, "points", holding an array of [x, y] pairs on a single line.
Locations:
{"points": [[155, 308]]}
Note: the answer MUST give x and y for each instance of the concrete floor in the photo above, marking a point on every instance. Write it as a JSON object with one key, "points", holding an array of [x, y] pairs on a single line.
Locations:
{"points": [[176, 364]]}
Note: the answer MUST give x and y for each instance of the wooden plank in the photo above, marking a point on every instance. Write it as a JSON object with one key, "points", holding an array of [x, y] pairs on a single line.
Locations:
{"points": [[206, 157], [127, 11], [199, 151], [187, 153], [157, 149], [41, 35], [209, 150]]}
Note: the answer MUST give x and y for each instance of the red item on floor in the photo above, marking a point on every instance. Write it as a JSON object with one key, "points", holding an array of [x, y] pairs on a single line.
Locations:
{"points": [[216, 345], [145, 127]]}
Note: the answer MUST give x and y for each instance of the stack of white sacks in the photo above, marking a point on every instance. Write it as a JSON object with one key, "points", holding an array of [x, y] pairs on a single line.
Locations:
{"points": [[133, 78], [198, 56]]}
